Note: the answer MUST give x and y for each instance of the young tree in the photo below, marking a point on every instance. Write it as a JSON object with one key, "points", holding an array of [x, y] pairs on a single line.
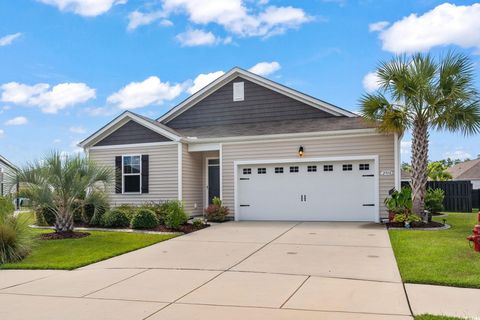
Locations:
{"points": [[420, 93], [64, 183]]}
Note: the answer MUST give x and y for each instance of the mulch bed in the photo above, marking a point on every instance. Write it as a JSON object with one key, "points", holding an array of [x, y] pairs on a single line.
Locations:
{"points": [[186, 228], [416, 225], [63, 235]]}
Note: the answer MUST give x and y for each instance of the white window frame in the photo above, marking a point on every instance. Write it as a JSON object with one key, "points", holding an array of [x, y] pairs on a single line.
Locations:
{"points": [[131, 174]]}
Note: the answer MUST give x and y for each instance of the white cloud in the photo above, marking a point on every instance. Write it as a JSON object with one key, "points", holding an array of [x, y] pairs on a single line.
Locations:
{"points": [[446, 24], [137, 18], [378, 26], [88, 8], [233, 15], [99, 111], [50, 100], [2, 133], [458, 154], [265, 68], [140, 94], [79, 130], [370, 82], [196, 37], [56, 141], [204, 79], [17, 121], [9, 38], [166, 23]]}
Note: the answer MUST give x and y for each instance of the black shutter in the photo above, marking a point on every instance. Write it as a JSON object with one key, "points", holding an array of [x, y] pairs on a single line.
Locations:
{"points": [[118, 174], [145, 173]]}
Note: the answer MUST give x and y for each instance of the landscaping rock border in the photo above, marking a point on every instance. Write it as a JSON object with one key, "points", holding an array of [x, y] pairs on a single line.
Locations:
{"points": [[445, 227]]}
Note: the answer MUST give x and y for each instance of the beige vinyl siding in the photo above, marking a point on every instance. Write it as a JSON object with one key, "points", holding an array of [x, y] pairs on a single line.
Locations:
{"points": [[163, 172], [381, 145], [192, 188], [8, 180]]}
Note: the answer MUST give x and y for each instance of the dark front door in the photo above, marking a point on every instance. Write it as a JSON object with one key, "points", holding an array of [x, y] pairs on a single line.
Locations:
{"points": [[213, 179]]}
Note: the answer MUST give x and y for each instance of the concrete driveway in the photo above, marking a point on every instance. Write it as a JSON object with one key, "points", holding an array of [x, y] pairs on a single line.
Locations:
{"points": [[235, 270]]}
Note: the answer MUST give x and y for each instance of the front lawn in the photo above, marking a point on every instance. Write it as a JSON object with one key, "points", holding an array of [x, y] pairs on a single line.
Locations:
{"points": [[74, 253], [439, 257], [430, 317]]}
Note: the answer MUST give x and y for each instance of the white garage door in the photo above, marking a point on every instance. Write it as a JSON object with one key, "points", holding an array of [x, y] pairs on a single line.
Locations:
{"points": [[317, 191]]}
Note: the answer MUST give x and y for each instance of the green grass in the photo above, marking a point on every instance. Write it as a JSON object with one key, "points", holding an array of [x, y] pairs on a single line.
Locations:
{"points": [[74, 253], [430, 317], [439, 257]]}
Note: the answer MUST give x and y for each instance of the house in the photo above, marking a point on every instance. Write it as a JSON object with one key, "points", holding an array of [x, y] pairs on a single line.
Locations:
{"points": [[468, 170], [7, 170], [268, 151]]}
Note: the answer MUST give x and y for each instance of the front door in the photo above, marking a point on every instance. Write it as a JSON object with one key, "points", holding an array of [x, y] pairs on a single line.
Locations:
{"points": [[213, 187]]}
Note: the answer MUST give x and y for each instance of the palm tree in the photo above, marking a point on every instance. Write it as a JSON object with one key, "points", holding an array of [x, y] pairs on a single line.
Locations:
{"points": [[62, 184], [420, 93]]}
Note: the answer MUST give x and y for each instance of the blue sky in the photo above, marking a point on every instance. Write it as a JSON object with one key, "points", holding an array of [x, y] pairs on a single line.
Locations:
{"points": [[67, 67]]}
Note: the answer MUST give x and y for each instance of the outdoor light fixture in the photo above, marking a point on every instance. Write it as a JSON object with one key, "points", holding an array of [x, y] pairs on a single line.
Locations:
{"points": [[300, 151]]}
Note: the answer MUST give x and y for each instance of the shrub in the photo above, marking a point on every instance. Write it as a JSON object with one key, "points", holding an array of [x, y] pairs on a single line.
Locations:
{"points": [[216, 212], [160, 209], [44, 216], [115, 219], [198, 223], [129, 210], [6, 206], [434, 200], [400, 202], [406, 218], [175, 214], [144, 219], [15, 237]]}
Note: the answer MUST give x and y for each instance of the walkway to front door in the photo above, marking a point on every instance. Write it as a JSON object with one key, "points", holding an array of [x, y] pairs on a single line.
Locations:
{"points": [[235, 270]]}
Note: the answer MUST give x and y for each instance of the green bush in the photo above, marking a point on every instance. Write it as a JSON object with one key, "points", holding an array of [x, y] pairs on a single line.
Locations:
{"points": [[198, 223], [406, 218], [115, 219], [400, 202], [6, 205], [144, 219], [434, 200], [44, 216], [216, 212], [129, 210], [160, 209], [16, 239], [175, 214]]}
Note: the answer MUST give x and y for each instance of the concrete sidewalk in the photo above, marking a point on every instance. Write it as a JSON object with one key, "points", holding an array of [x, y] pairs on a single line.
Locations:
{"points": [[448, 301], [235, 270]]}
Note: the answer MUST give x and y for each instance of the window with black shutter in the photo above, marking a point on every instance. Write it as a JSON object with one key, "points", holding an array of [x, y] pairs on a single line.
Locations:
{"points": [[132, 174]]}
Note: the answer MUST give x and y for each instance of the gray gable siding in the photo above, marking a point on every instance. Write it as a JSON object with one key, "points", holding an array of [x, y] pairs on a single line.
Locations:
{"points": [[131, 132], [260, 105]]}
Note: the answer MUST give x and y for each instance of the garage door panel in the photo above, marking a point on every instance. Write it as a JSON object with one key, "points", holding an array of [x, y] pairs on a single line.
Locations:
{"points": [[319, 195]]}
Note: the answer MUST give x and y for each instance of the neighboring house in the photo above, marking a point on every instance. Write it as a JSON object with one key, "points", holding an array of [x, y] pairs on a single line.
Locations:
{"points": [[7, 172], [468, 170], [268, 151], [406, 176]]}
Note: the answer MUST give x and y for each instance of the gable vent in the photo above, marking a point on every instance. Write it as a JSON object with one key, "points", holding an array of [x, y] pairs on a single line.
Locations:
{"points": [[238, 91]]}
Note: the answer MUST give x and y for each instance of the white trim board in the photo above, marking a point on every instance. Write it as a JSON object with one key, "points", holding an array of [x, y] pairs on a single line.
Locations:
{"points": [[375, 158], [133, 145], [269, 84], [180, 171]]}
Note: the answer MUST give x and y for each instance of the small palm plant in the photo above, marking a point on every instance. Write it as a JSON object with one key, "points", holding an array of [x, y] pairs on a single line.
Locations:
{"points": [[420, 93], [62, 184]]}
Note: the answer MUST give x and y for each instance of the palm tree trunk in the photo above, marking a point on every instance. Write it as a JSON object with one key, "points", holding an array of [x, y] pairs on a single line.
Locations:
{"points": [[63, 221], [419, 166]]}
